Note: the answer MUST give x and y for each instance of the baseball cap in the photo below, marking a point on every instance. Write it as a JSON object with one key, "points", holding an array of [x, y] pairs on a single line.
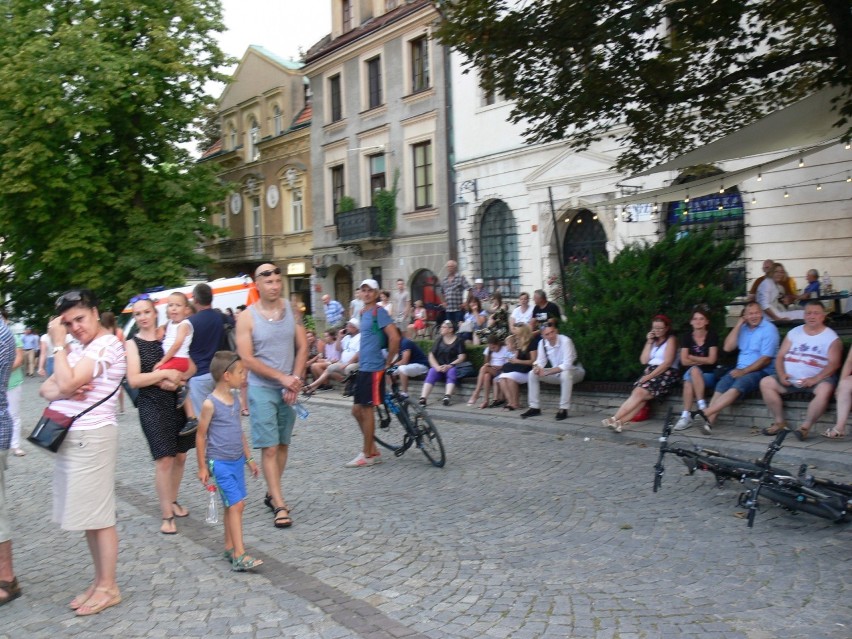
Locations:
{"points": [[479, 280], [371, 283], [355, 322]]}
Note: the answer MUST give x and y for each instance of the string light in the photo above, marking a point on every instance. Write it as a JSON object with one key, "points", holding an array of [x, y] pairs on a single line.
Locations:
{"points": [[754, 199], [595, 216], [801, 162], [819, 187], [686, 199], [848, 146], [849, 178], [760, 177], [722, 188], [786, 194]]}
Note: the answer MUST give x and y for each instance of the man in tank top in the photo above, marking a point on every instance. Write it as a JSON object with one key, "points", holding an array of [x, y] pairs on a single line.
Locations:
{"points": [[807, 361], [273, 345]]}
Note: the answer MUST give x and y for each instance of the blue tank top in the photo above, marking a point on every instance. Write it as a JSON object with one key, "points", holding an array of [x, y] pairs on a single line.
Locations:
{"points": [[225, 434], [274, 344]]}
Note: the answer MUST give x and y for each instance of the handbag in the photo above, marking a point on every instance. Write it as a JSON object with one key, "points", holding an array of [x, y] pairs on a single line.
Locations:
{"points": [[132, 393], [53, 426], [464, 369]]}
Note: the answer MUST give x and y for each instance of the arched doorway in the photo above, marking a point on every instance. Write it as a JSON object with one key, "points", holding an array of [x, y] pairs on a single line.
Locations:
{"points": [[424, 287], [585, 239], [343, 286]]}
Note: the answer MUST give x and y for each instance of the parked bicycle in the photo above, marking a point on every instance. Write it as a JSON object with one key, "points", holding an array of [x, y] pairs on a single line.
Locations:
{"points": [[796, 493], [412, 427]]}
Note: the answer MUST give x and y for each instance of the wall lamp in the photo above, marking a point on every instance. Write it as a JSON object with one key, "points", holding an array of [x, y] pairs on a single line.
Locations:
{"points": [[460, 205]]}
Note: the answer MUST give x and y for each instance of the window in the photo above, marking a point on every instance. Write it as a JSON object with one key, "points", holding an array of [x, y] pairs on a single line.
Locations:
{"points": [[335, 98], [337, 187], [585, 240], [255, 221], [297, 210], [498, 241], [254, 138], [378, 180], [346, 10], [419, 64], [233, 134], [486, 85], [278, 120], [422, 175], [374, 82]]}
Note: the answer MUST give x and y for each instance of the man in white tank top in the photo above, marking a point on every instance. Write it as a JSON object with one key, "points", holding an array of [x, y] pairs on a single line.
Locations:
{"points": [[807, 361]]}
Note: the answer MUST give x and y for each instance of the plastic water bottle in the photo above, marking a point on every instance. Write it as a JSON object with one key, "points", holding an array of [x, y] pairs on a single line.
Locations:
{"points": [[391, 404], [301, 411], [212, 508], [826, 283]]}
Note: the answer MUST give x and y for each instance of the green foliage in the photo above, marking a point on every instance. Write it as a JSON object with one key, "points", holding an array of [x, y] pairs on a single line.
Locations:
{"points": [[98, 99], [347, 203], [612, 303], [385, 203], [678, 74], [310, 323]]}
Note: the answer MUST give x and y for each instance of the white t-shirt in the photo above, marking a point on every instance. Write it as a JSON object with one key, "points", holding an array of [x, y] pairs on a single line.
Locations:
{"points": [[520, 316], [171, 337], [808, 354]]}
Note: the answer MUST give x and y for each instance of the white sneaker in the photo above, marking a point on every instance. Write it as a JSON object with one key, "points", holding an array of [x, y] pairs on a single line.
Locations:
{"points": [[361, 460], [683, 423]]}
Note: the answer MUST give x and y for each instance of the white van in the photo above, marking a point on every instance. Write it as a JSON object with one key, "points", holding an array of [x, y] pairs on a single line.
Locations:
{"points": [[228, 292]]}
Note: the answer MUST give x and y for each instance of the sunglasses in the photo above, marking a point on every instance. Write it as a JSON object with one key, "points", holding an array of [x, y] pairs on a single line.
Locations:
{"points": [[139, 298], [71, 297], [233, 361], [268, 272]]}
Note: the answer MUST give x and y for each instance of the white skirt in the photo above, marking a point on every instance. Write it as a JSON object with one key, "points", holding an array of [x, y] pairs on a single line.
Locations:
{"points": [[518, 378], [84, 479]]}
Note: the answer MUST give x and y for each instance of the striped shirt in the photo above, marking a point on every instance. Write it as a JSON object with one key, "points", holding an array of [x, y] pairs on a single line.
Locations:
{"points": [[7, 358], [107, 352]]}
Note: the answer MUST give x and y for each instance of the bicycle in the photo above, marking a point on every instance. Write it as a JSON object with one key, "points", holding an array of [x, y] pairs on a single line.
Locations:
{"points": [[802, 492], [417, 427]]}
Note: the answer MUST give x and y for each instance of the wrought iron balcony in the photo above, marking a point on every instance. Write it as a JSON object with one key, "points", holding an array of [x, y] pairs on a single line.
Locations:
{"points": [[251, 248], [360, 225]]}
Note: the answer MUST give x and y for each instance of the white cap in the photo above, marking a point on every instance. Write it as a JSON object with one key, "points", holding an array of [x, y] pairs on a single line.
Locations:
{"points": [[355, 322], [371, 283], [479, 280]]}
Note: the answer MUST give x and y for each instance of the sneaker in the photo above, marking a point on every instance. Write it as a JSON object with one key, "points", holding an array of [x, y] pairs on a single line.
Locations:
{"points": [[561, 414], [19, 452], [683, 423], [376, 459], [361, 461], [403, 394], [531, 412], [446, 400], [706, 428], [190, 428]]}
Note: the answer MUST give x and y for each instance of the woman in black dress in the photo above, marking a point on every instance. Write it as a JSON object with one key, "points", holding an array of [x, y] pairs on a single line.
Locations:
{"points": [[158, 412]]}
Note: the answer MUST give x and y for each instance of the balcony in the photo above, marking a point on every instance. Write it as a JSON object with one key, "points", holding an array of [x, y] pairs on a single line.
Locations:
{"points": [[254, 248], [361, 226]]}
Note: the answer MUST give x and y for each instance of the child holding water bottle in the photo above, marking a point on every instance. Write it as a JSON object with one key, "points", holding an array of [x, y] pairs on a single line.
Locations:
{"points": [[223, 450]]}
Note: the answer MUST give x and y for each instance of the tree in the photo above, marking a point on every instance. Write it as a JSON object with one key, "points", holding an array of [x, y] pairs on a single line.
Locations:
{"points": [[678, 74], [98, 99], [612, 303]]}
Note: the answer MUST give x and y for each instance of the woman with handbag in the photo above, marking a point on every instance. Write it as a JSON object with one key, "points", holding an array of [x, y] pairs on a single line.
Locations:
{"points": [[85, 381], [159, 415], [447, 353]]}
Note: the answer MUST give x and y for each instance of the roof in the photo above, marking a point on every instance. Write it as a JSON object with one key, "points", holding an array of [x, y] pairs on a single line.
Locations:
{"points": [[303, 118], [213, 150], [284, 62]]}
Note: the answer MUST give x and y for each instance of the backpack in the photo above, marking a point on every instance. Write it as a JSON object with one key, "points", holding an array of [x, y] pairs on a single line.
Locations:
{"points": [[375, 329]]}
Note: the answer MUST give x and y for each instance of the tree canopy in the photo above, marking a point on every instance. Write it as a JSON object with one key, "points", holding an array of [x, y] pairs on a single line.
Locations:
{"points": [[663, 76], [98, 99]]}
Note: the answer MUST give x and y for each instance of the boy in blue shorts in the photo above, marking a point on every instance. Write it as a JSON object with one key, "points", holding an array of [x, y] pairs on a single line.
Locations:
{"points": [[223, 450]]}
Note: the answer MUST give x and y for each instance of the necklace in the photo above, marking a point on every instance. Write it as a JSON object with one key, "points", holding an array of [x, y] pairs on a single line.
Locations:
{"points": [[263, 312]]}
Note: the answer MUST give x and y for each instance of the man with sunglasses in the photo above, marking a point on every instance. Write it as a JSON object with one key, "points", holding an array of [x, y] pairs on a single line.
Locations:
{"points": [[273, 345]]}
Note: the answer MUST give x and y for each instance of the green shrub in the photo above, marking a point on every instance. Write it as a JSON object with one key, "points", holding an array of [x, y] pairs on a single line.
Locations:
{"points": [[346, 204], [612, 303]]}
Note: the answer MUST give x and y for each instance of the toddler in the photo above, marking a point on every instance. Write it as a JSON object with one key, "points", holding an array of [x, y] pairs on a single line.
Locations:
{"points": [[176, 341], [223, 450]]}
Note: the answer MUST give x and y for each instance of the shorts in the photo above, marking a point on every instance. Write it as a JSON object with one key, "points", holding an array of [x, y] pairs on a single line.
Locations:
{"points": [[5, 522], [745, 384], [369, 388], [200, 387], [230, 479], [412, 370], [271, 419], [810, 389], [709, 378], [176, 364]]}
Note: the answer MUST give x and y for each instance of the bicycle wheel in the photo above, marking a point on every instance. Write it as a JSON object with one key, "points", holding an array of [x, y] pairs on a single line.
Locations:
{"points": [[389, 432], [427, 437], [831, 508]]}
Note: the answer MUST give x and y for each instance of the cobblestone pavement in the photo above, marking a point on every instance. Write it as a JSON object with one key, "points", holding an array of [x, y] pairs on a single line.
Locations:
{"points": [[527, 532]]}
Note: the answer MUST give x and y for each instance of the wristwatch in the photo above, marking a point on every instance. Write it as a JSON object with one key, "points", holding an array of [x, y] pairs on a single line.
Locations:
{"points": [[56, 349]]}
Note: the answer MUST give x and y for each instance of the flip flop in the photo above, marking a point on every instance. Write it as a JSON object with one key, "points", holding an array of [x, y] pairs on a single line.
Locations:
{"points": [[176, 506], [89, 608], [171, 520], [830, 433]]}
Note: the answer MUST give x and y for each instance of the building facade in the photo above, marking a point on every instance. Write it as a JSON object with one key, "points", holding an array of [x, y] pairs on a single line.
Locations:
{"points": [[379, 148], [264, 154]]}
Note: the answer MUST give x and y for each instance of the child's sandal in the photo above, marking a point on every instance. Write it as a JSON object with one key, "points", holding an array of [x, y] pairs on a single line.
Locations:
{"points": [[245, 562]]}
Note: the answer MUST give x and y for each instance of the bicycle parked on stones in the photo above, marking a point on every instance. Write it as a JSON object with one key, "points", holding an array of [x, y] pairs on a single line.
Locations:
{"points": [[796, 493], [412, 427]]}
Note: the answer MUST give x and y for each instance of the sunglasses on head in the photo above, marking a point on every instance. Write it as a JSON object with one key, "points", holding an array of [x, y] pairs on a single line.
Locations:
{"points": [[139, 298], [233, 361], [71, 297], [268, 272]]}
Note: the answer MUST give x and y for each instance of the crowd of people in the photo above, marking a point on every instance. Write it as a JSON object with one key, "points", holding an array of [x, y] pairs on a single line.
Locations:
{"points": [[194, 385]]}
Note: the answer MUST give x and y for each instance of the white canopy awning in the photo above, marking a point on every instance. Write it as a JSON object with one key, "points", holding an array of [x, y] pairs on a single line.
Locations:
{"points": [[807, 123]]}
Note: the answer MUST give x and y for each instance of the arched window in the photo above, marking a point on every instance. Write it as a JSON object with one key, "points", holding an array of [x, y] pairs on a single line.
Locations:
{"points": [[254, 138], [278, 120], [585, 239], [233, 136], [498, 243], [424, 288]]}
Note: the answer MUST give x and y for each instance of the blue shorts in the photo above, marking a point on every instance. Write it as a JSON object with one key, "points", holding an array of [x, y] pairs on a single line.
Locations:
{"points": [[230, 478], [745, 384], [271, 419], [709, 378], [369, 388]]}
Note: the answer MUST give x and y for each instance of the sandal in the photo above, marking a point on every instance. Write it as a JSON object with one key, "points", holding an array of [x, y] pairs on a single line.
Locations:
{"points": [[282, 521], [802, 433], [177, 508], [90, 608], [79, 600], [774, 429], [831, 433], [245, 562], [13, 590], [171, 521], [228, 555], [422, 401], [497, 402]]}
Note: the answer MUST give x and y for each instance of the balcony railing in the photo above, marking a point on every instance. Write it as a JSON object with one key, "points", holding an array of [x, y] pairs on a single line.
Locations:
{"points": [[253, 247], [360, 224]]}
